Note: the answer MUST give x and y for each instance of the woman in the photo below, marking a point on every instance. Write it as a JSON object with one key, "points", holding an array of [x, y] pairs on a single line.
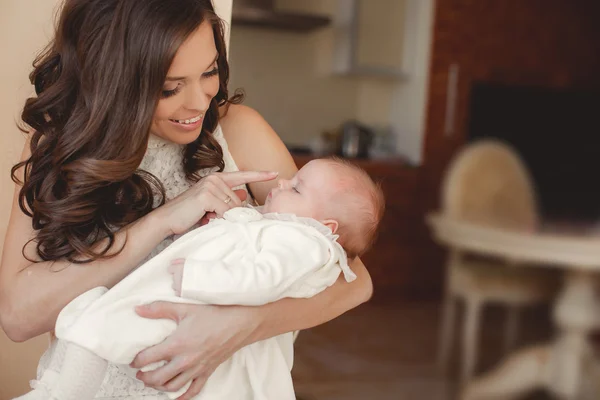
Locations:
{"points": [[129, 84]]}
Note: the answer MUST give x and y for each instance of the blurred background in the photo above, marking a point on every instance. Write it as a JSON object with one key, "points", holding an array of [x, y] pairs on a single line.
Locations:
{"points": [[408, 89]]}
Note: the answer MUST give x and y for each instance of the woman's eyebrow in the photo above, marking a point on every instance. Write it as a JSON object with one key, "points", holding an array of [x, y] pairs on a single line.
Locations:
{"points": [[175, 78], [183, 78]]}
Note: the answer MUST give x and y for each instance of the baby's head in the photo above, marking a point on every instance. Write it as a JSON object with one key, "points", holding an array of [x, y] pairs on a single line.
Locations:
{"points": [[338, 194]]}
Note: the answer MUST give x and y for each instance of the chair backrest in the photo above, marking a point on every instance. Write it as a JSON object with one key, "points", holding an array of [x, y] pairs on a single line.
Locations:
{"points": [[487, 183]]}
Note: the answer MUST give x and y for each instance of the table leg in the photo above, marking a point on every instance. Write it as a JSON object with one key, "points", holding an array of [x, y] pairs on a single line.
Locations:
{"points": [[520, 373], [558, 367]]}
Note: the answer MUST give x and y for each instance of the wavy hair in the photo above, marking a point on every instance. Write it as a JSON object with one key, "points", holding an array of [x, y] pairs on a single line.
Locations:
{"points": [[98, 83]]}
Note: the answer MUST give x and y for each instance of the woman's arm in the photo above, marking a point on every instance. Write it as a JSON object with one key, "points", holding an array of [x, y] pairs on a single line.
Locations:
{"points": [[32, 294], [288, 314]]}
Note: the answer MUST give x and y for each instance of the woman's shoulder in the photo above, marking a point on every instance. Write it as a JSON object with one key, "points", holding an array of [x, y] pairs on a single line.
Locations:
{"points": [[252, 141], [238, 122], [255, 146]]}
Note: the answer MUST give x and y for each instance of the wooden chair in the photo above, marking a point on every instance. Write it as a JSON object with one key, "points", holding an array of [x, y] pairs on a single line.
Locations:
{"points": [[488, 184]]}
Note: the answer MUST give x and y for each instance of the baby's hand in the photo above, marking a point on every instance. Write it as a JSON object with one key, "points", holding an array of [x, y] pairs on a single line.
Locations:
{"points": [[176, 269]]}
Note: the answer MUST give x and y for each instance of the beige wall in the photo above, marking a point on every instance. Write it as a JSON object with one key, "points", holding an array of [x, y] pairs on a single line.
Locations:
{"points": [[377, 20], [278, 72], [288, 78], [25, 26], [409, 100]]}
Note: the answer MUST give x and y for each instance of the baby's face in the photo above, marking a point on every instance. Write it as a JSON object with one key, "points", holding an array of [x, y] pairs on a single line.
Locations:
{"points": [[305, 194]]}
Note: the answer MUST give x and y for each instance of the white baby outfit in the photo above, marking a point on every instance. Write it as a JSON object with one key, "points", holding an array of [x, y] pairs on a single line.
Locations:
{"points": [[245, 258]]}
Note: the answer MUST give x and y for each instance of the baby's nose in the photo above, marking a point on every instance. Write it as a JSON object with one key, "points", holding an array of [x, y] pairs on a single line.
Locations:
{"points": [[282, 183]]}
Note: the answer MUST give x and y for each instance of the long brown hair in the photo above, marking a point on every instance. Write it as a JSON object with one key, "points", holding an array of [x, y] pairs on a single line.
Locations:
{"points": [[98, 84]]}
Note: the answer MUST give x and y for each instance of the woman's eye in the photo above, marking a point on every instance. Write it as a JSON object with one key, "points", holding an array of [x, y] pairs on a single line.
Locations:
{"points": [[168, 93], [212, 72]]}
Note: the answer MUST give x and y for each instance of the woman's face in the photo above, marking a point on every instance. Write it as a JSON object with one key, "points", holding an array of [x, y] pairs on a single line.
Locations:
{"points": [[191, 83]]}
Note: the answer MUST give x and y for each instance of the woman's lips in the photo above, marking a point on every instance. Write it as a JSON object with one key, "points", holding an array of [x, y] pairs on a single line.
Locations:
{"points": [[192, 125]]}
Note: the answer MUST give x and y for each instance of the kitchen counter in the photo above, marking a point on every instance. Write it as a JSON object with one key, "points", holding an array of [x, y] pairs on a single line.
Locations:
{"points": [[396, 164]]}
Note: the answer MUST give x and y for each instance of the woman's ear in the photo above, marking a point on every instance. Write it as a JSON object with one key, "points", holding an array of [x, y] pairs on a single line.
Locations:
{"points": [[331, 224]]}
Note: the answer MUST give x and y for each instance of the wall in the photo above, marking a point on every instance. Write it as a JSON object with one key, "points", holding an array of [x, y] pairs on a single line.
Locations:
{"points": [[379, 21], [277, 72], [223, 10], [410, 98], [381, 42], [288, 78], [282, 75], [550, 43], [553, 43], [21, 43]]}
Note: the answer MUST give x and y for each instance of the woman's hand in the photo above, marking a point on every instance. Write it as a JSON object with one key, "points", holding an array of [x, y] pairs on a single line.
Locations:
{"points": [[212, 194], [206, 336]]}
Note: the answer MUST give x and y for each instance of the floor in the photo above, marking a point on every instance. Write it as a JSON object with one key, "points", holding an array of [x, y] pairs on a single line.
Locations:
{"points": [[388, 351]]}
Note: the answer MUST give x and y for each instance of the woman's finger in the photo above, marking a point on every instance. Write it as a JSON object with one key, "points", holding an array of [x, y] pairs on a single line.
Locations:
{"points": [[162, 310], [238, 178], [160, 377], [214, 202], [178, 381], [228, 195], [160, 352], [194, 389]]}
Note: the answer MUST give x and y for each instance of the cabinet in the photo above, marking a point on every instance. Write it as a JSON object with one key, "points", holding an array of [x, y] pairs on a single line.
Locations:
{"points": [[370, 38]]}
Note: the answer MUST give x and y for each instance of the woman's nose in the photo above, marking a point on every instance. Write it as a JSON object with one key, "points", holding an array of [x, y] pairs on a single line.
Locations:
{"points": [[197, 98]]}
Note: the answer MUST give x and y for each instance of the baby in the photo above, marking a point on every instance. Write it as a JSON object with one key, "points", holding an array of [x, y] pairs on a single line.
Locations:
{"points": [[296, 245]]}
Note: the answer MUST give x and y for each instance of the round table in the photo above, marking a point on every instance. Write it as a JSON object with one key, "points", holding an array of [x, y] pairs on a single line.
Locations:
{"points": [[564, 366]]}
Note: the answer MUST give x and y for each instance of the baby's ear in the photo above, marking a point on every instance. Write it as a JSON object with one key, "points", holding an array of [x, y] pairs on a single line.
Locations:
{"points": [[331, 224]]}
